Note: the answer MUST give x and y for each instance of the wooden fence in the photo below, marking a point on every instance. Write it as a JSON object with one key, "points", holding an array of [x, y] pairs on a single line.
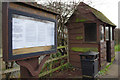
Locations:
{"points": [[54, 63]]}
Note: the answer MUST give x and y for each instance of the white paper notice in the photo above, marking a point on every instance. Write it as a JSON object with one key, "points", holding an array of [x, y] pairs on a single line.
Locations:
{"points": [[27, 32]]}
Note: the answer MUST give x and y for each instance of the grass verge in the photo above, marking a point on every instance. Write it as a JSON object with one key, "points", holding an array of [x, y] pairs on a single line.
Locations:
{"points": [[103, 71], [117, 47]]}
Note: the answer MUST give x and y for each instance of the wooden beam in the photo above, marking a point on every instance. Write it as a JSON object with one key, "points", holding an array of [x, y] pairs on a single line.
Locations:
{"points": [[11, 70], [54, 59], [53, 70]]}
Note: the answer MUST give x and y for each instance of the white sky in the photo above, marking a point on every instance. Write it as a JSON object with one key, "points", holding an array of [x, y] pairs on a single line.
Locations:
{"points": [[108, 7]]}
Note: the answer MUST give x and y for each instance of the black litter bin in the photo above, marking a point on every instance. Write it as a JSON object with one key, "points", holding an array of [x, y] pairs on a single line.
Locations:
{"points": [[89, 63]]}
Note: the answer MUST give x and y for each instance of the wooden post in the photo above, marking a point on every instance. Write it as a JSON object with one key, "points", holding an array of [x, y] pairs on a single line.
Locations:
{"points": [[104, 33], [109, 46], [30, 68], [113, 33], [0, 41], [24, 72], [0, 68], [51, 64]]}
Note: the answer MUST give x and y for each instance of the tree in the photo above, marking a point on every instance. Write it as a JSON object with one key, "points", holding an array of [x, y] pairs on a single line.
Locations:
{"points": [[65, 9]]}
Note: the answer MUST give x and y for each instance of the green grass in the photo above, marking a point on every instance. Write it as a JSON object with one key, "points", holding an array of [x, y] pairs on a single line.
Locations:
{"points": [[117, 47]]}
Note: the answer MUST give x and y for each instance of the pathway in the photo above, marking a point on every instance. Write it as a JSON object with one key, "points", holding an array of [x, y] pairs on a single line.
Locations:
{"points": [[113, 69]]}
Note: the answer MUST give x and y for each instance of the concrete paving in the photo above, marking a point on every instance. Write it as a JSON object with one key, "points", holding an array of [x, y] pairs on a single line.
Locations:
{"points": [[113, 71]]}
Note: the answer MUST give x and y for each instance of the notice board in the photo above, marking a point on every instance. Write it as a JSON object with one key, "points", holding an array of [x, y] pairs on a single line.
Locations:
{"points": [[27, 34]]}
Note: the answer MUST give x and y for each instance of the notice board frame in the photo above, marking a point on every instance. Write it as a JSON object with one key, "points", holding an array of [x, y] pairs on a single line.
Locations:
{"points": [[7, 34]]}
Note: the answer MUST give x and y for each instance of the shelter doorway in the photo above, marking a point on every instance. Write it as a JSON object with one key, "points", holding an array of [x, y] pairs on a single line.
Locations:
{"points": [[109, 42]]}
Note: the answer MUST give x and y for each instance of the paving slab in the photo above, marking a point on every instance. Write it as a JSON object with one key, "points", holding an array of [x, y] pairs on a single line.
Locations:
{"points": [[113, 69]]}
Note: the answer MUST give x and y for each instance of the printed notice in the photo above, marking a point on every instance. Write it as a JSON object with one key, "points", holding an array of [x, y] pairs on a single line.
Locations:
{"points": [[30, 32]]}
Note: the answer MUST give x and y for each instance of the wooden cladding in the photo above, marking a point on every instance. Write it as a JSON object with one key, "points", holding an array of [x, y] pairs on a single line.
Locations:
{"points": [[75, 36]]}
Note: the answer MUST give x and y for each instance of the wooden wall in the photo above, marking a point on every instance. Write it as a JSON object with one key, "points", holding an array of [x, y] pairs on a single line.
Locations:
{"points": [[77, 40], [76, 29]]}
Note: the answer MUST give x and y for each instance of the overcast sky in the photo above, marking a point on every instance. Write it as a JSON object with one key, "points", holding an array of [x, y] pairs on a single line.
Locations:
{"points": [[108, 7]]}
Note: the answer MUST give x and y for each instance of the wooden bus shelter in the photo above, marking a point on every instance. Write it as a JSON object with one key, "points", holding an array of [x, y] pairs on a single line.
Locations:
{"points": [[90, 30]]}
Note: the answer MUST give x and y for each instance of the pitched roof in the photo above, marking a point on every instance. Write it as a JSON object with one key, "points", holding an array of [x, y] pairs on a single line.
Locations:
{"points": [[99, 15]]}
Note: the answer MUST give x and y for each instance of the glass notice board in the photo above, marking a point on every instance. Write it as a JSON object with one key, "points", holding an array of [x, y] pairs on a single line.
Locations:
{"points": [[31, 34]]}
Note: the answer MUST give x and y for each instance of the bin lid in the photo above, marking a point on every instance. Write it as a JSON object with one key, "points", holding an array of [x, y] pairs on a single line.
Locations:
{"points": [[91, 53]]}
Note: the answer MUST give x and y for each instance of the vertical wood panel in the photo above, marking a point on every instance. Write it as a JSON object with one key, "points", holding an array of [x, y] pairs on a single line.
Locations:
{"points": [[5, 29], [0, 40]]}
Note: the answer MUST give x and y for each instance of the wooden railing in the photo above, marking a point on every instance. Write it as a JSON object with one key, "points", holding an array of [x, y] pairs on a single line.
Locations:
{"points": [[49, 66]]}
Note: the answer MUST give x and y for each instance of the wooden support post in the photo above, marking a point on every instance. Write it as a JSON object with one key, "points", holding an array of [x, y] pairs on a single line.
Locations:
{"points": [[0, 68], [24, 72], [104, 34], [109, 46], [113, 33], [30, 68]]}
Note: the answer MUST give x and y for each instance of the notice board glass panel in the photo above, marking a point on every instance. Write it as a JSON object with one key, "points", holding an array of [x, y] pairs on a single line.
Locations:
{"points": [[31, 35]]}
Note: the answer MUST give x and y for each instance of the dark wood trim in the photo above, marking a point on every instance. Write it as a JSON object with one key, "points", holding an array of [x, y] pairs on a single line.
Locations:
{"points": [[98, 32], [40, 7], [104, 33], [109, 47], [113, 36], [99, 57], [5, 6]]}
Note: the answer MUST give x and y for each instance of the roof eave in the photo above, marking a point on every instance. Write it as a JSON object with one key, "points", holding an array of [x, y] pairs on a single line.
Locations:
{"points": [[35, 5]]}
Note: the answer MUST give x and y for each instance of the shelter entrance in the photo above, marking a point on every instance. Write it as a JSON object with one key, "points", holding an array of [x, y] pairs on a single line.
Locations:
{"points": [[107, 43]]}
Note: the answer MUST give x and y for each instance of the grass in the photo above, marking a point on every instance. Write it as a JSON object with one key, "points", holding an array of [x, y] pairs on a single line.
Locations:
{"points": [[117, 47]]}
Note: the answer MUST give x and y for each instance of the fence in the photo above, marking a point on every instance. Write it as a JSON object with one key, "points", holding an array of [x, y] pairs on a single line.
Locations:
{"points": [[54, 63]]}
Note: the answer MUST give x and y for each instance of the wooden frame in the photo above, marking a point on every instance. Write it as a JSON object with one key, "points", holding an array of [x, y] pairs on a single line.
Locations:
{"points": [[7, 34]]}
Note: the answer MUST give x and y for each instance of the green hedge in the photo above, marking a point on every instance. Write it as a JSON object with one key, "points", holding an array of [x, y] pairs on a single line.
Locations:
{"points": [[117, 48]]}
